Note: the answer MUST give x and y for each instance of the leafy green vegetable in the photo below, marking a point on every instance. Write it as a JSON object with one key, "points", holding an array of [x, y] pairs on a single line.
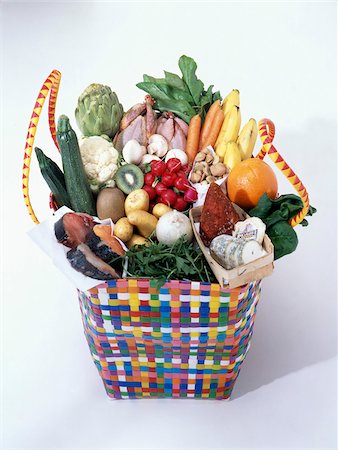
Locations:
{"points": [[283, 237], [276, 215], [158, 261], [184, 96], [175, 81], [158, 90], [179, 107], [188, 68]]}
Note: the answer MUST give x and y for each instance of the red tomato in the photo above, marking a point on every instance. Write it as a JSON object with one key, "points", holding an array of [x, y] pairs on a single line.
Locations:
{"points": [[158, 168], [182, 184], [160, 187], [168, 197], [149, 178], [173, 165], [150, 191], [180, 204], [169, 178]]}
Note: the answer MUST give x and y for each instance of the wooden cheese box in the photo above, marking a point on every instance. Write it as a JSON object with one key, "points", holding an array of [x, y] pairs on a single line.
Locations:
{"points": [[255, 270]]}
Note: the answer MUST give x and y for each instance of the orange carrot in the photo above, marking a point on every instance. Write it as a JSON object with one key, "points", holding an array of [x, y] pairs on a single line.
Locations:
{"points": [[215, 129], [194, 130], [209, 118]]}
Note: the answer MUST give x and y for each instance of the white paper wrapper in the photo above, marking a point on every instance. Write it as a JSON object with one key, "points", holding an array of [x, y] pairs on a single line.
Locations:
{"points": [[44, 237]]}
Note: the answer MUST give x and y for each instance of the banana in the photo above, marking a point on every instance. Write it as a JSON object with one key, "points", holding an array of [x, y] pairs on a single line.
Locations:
{"points": [[247, 139], [230, 127], [220, 150], [230, 100], [232, 155]]}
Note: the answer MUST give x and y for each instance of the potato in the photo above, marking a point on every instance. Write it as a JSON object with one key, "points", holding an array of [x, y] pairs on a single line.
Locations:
{"points": [[144, 221], [136, 239], [123, 229], [137, 200], [160, 209]]}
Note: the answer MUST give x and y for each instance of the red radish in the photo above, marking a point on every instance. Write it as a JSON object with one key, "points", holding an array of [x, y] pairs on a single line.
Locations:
{"points": [[187, 168], [180, 204], [190, 195], [168, 197], [182, 184], [182, 174], [169, 178], [150, 191], [158, 168], [173, 165], [149, 178], [160, 187]]}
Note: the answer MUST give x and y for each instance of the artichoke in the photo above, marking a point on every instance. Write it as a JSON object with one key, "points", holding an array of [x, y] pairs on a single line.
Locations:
{"points": [[98, 111]]}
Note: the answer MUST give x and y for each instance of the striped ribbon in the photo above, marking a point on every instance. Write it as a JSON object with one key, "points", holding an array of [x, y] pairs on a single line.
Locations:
{"points": [[51, 86], [267, 130]]}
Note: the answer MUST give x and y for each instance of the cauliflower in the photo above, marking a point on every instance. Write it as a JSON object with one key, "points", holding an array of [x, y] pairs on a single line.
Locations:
{"points": [[100, 161]]}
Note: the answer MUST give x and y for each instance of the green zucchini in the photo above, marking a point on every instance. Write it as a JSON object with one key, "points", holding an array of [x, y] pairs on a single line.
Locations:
{"points": [[54, 177], [80, 194]]}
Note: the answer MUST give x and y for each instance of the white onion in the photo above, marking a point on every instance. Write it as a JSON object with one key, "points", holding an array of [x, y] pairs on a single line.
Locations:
{"points": [[173, 225]]}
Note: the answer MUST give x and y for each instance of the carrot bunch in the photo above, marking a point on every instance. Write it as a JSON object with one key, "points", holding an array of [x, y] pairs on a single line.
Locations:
{"points": [[212, 125], [201, 136]]}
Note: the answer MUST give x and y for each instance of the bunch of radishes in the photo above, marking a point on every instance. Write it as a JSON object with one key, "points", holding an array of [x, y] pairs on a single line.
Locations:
{"points": [[168, 183]]}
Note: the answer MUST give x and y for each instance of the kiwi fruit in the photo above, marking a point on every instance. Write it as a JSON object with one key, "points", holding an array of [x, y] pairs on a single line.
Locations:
{"points": [[128, 178], [110, 204]]}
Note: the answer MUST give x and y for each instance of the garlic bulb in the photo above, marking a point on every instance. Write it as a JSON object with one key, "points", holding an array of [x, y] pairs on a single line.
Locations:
{"points": [[133, 152], [158, 145]]}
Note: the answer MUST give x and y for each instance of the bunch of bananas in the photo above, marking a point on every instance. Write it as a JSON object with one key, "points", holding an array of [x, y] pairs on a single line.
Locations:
{"points": [[233, 145]]}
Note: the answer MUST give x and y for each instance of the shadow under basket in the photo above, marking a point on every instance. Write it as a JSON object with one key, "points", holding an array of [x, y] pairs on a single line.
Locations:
{"points": [[187, 340]]}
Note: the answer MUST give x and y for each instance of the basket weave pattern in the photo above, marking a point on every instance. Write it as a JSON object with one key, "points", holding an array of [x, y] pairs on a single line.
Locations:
{"points": [[187, 340]]}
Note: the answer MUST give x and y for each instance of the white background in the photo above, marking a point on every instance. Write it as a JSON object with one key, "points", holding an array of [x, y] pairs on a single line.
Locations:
{"points": [[282, 57]]}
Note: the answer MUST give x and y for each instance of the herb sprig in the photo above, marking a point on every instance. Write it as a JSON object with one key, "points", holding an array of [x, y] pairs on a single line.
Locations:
{"points": [[181, 261]]}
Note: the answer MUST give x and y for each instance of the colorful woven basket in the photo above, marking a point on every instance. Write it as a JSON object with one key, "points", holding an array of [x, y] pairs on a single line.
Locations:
{"points": [[187, 340]]}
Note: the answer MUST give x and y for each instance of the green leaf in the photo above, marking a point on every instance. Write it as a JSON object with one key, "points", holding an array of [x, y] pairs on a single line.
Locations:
{"points": [[216, 96], [175, 81], [263, 207], [159, 282], [188, 68], [276, 214], [157, 91], [179, 94], [160, 262], [206, 98], [179, 107], [150, 79], [284, 239]]}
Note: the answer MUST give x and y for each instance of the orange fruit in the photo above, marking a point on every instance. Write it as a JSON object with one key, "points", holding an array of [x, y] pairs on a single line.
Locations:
{"points": [[248, 181]]}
